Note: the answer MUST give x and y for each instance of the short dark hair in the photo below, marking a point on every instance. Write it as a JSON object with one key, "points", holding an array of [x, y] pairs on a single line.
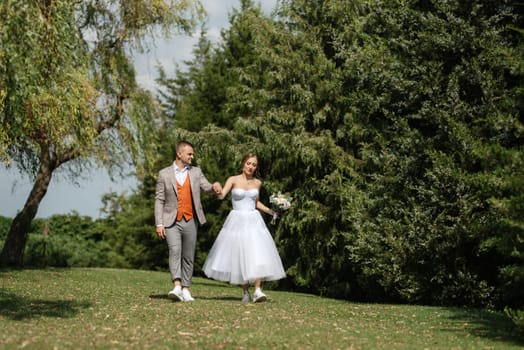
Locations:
{"points": [[182, 144]]}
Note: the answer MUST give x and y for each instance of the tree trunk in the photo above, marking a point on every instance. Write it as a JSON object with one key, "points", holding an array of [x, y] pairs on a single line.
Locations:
{"points": [[14, 246]]}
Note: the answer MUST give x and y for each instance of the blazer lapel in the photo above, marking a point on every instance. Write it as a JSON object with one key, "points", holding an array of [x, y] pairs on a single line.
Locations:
{"points": [[172, 178], [191, 175]]}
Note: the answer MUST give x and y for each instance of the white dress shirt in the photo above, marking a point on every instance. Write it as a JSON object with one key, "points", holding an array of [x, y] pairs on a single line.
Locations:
{"points": [[181, 174]]}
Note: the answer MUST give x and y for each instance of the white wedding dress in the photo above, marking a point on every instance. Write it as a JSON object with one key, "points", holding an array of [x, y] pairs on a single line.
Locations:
{"points": [[244, 249]]}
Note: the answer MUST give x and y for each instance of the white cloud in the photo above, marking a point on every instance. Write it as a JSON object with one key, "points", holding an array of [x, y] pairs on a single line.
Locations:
{"points": [[167, 53], [179, 49]]}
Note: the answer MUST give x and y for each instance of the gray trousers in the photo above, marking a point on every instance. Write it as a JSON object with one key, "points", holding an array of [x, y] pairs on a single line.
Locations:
{"points": [[181, 241]]}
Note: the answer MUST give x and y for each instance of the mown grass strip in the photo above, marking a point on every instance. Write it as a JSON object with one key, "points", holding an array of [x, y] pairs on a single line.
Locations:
{"points": [[128, 309]]}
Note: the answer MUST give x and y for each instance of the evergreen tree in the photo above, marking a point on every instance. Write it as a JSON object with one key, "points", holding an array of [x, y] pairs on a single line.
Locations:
{"points": [[391, 123], [395, 126]]}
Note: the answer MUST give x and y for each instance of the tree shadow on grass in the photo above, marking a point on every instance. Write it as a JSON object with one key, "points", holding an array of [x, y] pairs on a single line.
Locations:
{"points": [[487, 324], [221, 297], [158, 296], [20, 308]]}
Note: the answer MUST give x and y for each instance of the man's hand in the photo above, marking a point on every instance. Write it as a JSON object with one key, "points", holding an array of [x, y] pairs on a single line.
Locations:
{"points": [[161, 232]]}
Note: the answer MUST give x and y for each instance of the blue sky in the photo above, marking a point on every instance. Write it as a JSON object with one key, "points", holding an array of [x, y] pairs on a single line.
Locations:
{"points": [[85, 197]]}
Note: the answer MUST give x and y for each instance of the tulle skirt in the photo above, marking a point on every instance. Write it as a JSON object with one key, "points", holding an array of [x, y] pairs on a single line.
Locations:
{"points": [[244, 251]]}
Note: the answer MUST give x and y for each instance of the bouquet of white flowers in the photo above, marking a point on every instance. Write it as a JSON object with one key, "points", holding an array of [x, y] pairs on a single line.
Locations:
{"points": [[279, 202]]}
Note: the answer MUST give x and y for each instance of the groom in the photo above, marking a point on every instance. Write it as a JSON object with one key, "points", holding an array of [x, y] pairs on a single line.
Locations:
{"points": [[178, 212]]}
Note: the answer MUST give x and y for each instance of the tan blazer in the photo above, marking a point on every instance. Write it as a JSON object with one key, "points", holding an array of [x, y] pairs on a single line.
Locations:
{"points": [[166, 195]]}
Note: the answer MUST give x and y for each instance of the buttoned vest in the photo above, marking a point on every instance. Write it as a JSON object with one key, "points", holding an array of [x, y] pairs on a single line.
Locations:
{"points": [[185, 202]]}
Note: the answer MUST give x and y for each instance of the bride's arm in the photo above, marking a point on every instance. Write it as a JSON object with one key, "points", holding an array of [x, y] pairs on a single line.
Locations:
{"points": [[260, 206], [265, 209], [227, 187]]}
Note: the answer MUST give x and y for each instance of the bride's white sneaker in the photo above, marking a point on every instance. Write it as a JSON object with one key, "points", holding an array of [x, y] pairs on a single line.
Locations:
{"points": [[259, 296], [246, 298]]}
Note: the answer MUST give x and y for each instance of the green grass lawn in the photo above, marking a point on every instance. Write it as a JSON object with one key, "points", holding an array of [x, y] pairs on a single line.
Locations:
{"points": [[128, 309]]}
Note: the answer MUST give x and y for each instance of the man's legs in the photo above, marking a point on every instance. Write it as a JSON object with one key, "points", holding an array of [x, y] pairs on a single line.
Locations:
{"points": [[189, 236], [181, 241], [174, 245]]}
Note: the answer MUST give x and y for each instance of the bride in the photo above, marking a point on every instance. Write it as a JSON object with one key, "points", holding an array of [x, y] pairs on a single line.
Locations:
{"points": [[244, 252]]}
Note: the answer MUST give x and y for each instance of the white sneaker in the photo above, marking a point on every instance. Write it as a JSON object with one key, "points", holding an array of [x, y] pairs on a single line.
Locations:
{"points": [[186, 295], [176, 294], [258, 296], [246, 298]]}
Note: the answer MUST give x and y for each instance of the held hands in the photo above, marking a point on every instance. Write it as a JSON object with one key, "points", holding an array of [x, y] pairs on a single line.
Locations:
{"points": [[217, 187]]}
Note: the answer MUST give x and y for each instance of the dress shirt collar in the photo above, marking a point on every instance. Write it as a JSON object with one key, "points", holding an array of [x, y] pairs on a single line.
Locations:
{"points": [[181, 170], [181, 173]]}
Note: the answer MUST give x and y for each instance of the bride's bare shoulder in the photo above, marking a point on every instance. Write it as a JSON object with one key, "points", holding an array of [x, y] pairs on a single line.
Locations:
{"points": [[233, 179]]}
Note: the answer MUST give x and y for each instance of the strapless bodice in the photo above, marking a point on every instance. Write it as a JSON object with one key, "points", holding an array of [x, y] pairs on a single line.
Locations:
{"points": [[244, 199]]}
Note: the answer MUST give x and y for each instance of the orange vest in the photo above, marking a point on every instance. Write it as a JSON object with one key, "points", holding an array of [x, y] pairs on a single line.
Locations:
{"points": [[185, 202]]}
